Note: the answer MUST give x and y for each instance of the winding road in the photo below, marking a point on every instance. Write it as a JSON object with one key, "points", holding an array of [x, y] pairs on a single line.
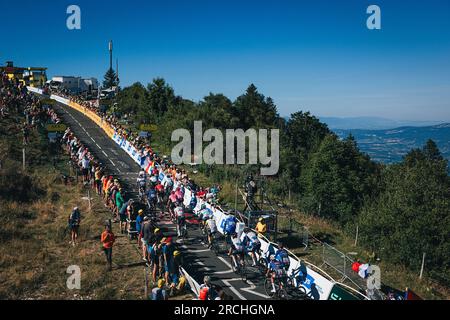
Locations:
{"points": [[198, 259]]}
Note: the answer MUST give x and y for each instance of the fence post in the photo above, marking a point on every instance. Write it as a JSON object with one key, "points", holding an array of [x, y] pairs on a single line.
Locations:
{"points": [[422, 267], [23, 159], [357, 233]]}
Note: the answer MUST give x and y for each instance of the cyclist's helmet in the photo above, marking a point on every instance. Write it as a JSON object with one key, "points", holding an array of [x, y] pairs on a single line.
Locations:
{"points": [[176, 253], [272, 257]]}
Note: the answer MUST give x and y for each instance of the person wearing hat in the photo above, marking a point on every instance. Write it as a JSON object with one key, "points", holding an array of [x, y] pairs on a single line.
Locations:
{"points": [[119, 200], [261, 227], [74, 225], [145, 238], [167, 251], [158, 293], [139, 220]]}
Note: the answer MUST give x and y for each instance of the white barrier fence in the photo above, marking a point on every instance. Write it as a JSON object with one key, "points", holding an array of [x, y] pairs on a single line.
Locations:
{"points": [[317, 285]]}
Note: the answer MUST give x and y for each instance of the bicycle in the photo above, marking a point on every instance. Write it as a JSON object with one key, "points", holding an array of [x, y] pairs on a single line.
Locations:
{"points": [[279, 283], [240, 269], [263, 261], [182, 230]]}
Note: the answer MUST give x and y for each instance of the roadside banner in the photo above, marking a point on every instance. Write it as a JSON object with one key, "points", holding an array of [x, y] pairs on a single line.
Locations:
{"points": [[56, 127]]}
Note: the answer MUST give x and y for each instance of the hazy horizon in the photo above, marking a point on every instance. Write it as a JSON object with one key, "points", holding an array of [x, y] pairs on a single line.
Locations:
{"points": [[312, 56]]}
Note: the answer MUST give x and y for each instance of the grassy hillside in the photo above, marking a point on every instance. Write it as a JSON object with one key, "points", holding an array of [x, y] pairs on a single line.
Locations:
{"points": [[34, 239]]}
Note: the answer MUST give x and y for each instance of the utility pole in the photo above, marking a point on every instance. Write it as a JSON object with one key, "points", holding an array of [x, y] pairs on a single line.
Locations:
{"points": [[357, 233], [110, 48]]}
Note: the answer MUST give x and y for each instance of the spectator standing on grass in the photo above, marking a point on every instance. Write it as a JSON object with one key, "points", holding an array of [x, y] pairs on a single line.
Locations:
{"points": [[108, 239], [85, 165], [123, 216], [98, 180], [119, 200], [139, 220], [74, 225]]}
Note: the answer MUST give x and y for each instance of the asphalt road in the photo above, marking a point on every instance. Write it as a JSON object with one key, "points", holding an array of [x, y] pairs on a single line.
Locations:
{"points": [[198, 259]]}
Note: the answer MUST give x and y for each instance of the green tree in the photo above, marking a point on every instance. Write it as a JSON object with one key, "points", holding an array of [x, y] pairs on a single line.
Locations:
{"points": [[160, 97], [412, 214], [132, 99], [337, 179], [255, 110], [110, 79]]}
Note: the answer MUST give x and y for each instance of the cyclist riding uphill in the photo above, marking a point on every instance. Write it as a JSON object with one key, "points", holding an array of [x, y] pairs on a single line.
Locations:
{"points": [[181, 219], [236, 251], [211, 228], [151, 196], [142, 179], [229, 227], [193, 202], [275, 271], [282, 256], [251, 243]]}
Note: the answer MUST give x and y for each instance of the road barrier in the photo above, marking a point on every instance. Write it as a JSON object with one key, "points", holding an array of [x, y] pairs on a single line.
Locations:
{"points": [[318, 283], [193, 285]]}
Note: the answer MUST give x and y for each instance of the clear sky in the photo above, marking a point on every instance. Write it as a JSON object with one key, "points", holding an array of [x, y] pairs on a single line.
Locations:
{"points": [[310, 55]]}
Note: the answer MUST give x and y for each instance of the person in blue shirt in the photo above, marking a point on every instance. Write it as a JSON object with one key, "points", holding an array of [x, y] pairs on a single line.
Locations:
{"points": [[275, 271], [139, 220], [193, 202], [229, 227], [159, 293], [251, 243], [123, 216], [167, 251], [282, 256]]}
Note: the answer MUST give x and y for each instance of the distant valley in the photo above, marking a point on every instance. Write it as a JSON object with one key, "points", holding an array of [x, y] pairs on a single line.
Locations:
{"points": [[390, 145]]}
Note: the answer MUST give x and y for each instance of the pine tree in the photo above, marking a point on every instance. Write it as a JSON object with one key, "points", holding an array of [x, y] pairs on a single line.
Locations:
{"points": [[110, 79]]}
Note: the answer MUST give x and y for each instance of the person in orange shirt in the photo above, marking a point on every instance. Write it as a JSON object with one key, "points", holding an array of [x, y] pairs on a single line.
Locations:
{"points": [[108, 240]]}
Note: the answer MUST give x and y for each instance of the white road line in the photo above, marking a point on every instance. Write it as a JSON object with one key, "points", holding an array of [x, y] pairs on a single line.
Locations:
{"points": [[105, 154], [223, 272], [226, 262], [112, 162], [253, 287], [203, 265], [236, 292], [194, 251]]}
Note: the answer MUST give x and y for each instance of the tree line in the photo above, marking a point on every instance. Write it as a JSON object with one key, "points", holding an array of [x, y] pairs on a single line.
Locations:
{"points": [[402, 210]]}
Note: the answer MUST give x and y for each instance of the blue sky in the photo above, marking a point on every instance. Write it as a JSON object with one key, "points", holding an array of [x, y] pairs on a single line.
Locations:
{"points": [[307, 55]]}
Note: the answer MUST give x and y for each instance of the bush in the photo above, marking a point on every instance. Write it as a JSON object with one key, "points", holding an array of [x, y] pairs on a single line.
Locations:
{"points": [[18, 186]]}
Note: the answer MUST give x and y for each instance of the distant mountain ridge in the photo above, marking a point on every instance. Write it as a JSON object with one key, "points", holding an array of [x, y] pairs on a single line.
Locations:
{"points": [[372, 123], [391, 145]]}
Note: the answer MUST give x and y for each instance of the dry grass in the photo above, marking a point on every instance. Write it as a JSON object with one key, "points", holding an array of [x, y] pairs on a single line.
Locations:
{"points": [[34, 240]]}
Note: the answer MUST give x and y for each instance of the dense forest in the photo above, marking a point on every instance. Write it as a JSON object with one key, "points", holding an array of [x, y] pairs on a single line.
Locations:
{"points": [[402, 210]]}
